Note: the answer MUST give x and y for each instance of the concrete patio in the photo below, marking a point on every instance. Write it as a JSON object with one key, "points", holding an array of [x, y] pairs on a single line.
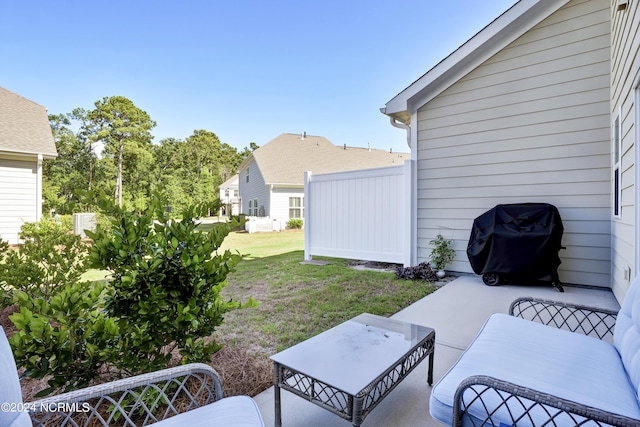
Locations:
{"points": [[456, 312]]}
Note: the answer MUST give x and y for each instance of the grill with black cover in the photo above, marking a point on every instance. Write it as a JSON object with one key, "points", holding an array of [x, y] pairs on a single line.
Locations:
{"points": [[517, 243]]}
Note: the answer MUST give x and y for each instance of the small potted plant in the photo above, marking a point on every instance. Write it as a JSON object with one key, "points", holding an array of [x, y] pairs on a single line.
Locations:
{"points": [[441, 254]]}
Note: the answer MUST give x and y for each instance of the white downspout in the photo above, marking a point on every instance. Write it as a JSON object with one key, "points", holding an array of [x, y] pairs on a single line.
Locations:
{"points": [[395, 123]]}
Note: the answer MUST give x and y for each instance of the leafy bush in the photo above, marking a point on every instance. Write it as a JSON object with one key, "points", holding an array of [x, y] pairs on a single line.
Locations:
{"points": [[67, 222], [49, 258], [6, 291], [46, 227], [164, 295], [442, 252], [66, 337], [166, 278], [60, 333], [422, 271], [295, 223]]}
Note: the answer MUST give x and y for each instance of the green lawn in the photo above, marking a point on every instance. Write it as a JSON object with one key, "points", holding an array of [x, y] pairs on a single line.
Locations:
{"points": [[298, 301], [261, 245]]}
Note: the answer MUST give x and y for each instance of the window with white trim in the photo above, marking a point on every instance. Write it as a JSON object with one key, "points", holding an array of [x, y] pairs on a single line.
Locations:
{"points": [[616, 159], [295, 207], [247, 174], [250, 207], [255, 207]]}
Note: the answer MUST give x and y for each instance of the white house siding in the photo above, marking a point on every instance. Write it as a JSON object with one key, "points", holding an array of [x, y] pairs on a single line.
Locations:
{"points": [[625, 78], [531, 124], [280, 203], [254, 189], [18, 196]]}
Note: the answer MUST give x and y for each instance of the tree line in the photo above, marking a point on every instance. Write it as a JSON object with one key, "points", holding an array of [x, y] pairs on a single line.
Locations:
{"points": [[109, 150]]}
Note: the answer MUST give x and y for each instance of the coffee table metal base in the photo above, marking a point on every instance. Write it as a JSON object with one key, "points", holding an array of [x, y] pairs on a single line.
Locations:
{"points": [[350, 407]]}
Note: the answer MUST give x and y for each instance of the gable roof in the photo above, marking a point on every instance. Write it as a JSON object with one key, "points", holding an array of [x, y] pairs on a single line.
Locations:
{"points": [[284, 159], [24, 126], [505, 29], [231, 182]]}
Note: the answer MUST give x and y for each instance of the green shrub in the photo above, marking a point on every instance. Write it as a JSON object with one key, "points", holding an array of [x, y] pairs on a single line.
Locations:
{"points": [[166, 278], [66, 337], [6, 291], [50, 257], [295, 223], [164, 294], [66, 221], [442, 253]]}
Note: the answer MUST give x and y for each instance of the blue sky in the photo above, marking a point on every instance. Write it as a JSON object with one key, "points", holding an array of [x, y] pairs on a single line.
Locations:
{"points": [[247, 70]]}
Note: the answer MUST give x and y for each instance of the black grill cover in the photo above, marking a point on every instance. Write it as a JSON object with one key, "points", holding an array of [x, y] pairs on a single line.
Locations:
{"points": [[518, 239]]}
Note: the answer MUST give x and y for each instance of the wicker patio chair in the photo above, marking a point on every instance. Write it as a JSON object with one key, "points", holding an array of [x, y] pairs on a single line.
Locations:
{"points": [[185, 395]]}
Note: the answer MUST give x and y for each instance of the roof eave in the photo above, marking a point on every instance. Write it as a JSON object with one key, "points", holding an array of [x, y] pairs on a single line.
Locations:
{"points": [[245, 163], [45, 156], [284, 184], [513, 23]]}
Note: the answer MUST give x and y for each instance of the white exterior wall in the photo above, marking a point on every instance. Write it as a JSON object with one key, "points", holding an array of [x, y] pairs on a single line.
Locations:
{"points": [[254, 189], [230, 200], [531, 124], [280, 203], [19, 189], [625, 95]]}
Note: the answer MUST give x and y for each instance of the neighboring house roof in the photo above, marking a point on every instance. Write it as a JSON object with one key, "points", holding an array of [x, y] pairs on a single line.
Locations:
{"points": [[230, 183], [284, 159], [24, 126], [513, 23]]}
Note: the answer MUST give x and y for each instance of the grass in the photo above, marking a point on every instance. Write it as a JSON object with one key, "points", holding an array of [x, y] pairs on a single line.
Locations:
{"points": [[297, 301], [261, 245]]}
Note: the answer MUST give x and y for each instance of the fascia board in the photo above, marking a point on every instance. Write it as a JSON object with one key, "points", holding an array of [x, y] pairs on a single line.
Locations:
{"points": [[245, 163], [284, 185], [516, 21], [25, 154]]}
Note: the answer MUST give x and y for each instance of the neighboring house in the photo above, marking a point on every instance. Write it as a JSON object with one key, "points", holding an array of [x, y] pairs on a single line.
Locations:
{"points": [[271, 179], [229, 196], [542, 105], [25, 141]]}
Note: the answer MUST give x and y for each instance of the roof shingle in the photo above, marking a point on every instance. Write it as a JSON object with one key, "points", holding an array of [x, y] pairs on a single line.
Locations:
{"points": [[284, 159], [24, 126]]}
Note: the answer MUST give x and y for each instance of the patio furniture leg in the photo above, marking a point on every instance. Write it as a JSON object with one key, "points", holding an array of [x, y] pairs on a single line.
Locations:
{"points": [[430, 372], [356, 410], [277, 377]]}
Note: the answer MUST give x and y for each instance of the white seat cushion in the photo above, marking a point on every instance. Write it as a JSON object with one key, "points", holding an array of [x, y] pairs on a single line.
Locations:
{"points": [[235, 411], [627, 333], [10, 391], [543, 358]]}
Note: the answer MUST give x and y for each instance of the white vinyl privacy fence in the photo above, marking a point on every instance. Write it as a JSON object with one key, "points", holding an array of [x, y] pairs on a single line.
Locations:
{"points": [[363, 215]]}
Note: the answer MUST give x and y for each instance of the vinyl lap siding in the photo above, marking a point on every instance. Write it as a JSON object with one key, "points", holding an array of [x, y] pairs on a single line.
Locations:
{"points": [[280, 203], [18, 186], [254, 189], [625, 65], [531, 124]]}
